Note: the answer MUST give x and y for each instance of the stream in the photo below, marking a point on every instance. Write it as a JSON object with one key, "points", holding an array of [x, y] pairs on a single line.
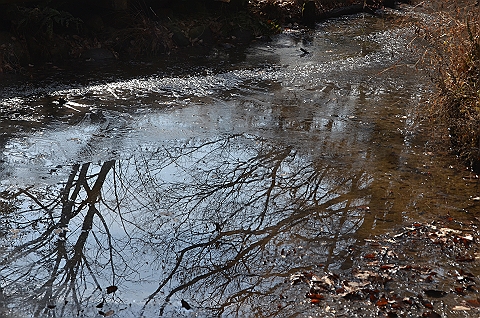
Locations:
{"points": [[197, 185]]}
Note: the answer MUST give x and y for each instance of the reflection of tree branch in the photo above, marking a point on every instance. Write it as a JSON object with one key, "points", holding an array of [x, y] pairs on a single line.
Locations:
{"points": [[278, 159], [253, 193], [47, 208], [268, 234], [64, 270], [110, 245], [68, 202]]}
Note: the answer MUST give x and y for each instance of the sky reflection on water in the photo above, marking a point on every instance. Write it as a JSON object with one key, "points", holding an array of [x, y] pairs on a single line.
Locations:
{"points": [[213, 188]]}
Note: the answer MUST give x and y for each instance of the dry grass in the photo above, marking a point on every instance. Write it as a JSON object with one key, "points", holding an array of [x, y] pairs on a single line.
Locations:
{"points": [[453, 36]]}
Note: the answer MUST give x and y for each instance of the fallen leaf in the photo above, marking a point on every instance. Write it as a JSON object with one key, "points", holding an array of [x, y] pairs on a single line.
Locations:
{"points": [[364, 275], [429, 279], [473, 302], [459, 290], [109, 313], [327, 282], [444, 231], [396, 305], [315, 296], [472, 288], [350, 290], [111, 289], [431, 314], [387, 266], [315, 301], [467, 237], [461, 308], [340, 290], [408, 300], [185, 305], [392, 254], [296, 278], [315, 278], [307, 275], [427, 304], [382, 302], [370, 256]]}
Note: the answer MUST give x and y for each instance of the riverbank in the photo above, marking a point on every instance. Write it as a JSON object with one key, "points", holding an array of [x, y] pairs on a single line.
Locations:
{"points": [[452, 53], [33, 34]]}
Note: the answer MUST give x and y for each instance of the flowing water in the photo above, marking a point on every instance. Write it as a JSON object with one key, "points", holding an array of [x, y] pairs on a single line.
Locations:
{"points": [[197, 185]]}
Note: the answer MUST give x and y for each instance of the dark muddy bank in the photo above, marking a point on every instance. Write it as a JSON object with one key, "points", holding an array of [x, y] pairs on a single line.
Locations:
{"points": [[32, 33]]}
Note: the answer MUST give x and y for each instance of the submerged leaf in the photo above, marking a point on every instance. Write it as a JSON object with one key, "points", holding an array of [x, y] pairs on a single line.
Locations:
{"points": [[315, 301], [473, 302], [186, 305], [315, 296], [111, 289], [427, 304], [382, 302]]}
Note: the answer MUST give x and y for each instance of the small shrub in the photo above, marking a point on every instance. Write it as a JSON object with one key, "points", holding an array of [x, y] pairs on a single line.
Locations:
{"points": [[46, 21]]}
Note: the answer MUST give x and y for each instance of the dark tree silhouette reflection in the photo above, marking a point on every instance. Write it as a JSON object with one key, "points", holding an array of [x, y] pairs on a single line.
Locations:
{"points": [[45, 261], [220, 223]]}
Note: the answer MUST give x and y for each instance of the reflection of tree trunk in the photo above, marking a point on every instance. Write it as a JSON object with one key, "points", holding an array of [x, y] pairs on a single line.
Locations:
{"points": [[72, 265]]}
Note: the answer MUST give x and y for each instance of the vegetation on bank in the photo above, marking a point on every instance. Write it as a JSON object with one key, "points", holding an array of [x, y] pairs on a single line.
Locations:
{"points": [[453, 37], [37, 31]]}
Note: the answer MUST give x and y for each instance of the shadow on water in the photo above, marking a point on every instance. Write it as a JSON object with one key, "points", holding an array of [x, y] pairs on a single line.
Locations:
{"points": [[202, 194]]}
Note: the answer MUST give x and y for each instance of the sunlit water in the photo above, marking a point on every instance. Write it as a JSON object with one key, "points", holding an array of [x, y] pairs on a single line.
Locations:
{"points": [[212, 180]]}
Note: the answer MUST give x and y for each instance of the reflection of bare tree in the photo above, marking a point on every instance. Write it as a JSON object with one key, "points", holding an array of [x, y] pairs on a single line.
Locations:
{"points": [[218, 222], [232, 204], [48, 248]]}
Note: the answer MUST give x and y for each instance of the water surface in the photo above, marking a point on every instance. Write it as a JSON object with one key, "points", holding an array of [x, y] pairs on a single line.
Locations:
{"points": [[207, 182]]}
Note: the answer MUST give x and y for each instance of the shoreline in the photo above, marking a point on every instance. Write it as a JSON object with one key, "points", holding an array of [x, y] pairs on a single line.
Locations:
{"points": [[37, 35]]}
